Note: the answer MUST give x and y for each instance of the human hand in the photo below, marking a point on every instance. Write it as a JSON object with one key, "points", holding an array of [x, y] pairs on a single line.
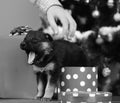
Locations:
{"points": [[68, 23]]}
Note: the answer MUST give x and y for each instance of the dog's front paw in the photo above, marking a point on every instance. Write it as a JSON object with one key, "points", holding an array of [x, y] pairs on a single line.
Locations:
{"points": [[38, 96], [45, 99]]}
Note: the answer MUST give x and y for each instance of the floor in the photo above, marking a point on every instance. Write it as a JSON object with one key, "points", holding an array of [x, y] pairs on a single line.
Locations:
{"points": [[31, 101], [23, 101]]}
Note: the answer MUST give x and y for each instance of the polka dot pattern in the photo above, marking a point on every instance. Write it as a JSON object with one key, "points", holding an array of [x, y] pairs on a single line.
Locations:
{"points": [[87, 97], [94, 83], [89, 90], [68, 76], [63, 70], [75, 94], [75, 76], [58, 90], [82, 83], [96, 76], [63, 93], [106, 95], [89, 76], [75, 90], [68, 102], [94, 69], [91, 95], [81, 78], [68, 90], [62, 83], [82, 69]]}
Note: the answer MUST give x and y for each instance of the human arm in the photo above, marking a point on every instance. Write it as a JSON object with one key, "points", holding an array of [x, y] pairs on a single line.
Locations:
{"points": [[54, 10]]}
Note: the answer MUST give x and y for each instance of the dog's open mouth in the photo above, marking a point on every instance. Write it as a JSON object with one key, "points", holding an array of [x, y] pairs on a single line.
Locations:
{"points": [[35, 59], [31, 57]]}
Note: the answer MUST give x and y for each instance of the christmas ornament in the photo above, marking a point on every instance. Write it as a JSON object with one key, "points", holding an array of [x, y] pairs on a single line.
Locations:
{"points": [[110, 3], [87, 1], [96, 13], [117, 17], [99, 39], [106, 71], [117, 14]]}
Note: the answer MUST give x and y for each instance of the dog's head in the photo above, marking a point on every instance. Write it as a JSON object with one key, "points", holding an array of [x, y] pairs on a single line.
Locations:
{"points": [[38, 46]]}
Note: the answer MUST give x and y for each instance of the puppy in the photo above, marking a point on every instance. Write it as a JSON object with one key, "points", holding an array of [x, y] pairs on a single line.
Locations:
{"points": [[48, 56]]}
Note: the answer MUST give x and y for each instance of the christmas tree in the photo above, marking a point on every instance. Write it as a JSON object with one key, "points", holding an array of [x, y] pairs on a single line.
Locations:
{"points": [[105, 16], [91, 13]]}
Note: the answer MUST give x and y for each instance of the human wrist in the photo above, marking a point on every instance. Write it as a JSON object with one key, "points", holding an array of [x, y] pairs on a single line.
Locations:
{"points": [[54, 5], [44, 5]]}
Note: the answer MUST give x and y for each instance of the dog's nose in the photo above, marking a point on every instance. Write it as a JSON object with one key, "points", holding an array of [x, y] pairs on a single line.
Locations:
{"points": [[23, 45]]}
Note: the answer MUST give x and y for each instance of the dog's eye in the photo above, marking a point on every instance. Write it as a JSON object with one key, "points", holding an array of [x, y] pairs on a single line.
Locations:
{"points": [[48, 37]]}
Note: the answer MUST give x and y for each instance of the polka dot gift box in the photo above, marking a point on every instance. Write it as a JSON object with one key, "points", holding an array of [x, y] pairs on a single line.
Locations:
{"points": [[86, 97], [78, 79]]}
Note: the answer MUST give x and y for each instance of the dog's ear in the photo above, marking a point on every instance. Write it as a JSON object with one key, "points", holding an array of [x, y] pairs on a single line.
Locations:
{"points": [[49, 37], [21, 30]]}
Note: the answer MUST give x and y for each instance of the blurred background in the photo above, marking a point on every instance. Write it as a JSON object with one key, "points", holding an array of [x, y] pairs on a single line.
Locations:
{"points": [[15, 13], [17, 79]]}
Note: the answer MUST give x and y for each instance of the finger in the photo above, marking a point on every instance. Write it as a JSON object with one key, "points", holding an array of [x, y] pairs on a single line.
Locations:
{"points": [[53, 24], [72, 26], [65, 24]]}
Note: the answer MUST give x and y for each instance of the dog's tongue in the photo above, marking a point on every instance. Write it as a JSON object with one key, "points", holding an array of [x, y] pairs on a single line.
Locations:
{"points": [[31, 57]]}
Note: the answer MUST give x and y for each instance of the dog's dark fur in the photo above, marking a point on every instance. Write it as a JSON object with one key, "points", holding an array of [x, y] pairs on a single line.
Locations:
{"points": [[59, 53]]}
